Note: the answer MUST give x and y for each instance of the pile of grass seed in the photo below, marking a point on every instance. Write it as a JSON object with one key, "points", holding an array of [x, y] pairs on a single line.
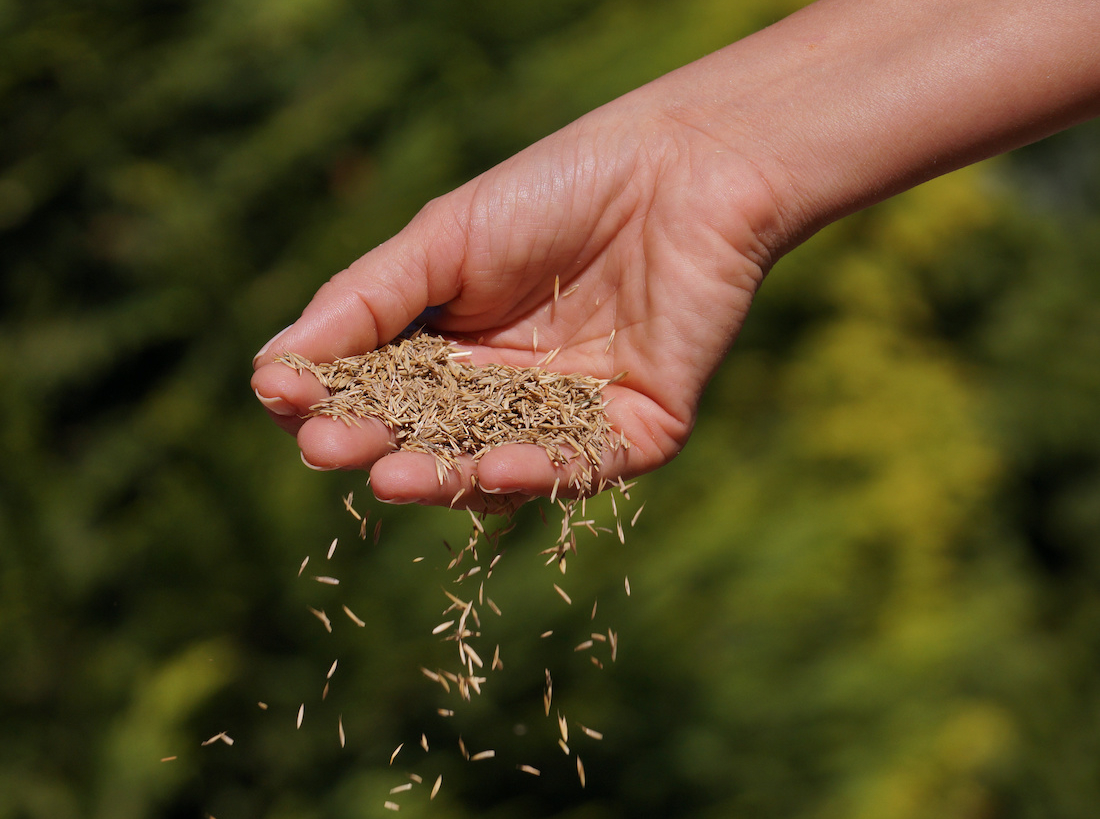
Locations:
{"points": [[432, 401]]}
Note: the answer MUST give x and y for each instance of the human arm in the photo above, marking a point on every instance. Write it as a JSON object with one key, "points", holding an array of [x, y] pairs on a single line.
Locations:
{"points": [[667, 206]]}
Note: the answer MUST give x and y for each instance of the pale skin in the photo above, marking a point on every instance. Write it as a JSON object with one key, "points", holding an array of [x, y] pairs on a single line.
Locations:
{"points": [[667, 207]]}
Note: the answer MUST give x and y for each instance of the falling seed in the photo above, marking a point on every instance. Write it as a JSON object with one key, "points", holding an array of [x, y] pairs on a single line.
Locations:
{"points": [[435, 787], [458, 495], [462, 748], [553, 492], [564, 747], [377, 531], [332, 548], [637, 514], [301, 714], [349, 508], [480, 755], [302, 568], [594, 604], [529, 769], [626, 585], [363, 529], [222, 737], [477, 522], [443, 627], [353, 618], [546, 633], [619, 531], [562, 594], [417, 559], [401, 788], [391, 805], [168, 758], [320, 615], [424, 742], [587, 644], [596, 661], [580, 771], [445, 712], [417, 778], [489, 602], [563, 727], [263, 706], [396, 751], [328, 581], [331, 670], [590, 732], [496, 664], [324, 692], [340, 728]]}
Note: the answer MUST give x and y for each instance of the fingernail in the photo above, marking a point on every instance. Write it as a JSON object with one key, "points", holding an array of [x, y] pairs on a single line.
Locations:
{"points": [[267, 346], [316, 468], [276, 405]]}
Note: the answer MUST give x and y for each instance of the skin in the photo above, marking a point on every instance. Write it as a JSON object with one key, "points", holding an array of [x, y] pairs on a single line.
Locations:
{"points": [[667, 207]]}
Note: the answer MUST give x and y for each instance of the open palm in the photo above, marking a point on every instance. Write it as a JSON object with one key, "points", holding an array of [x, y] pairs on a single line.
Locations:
{"points": [[626, 240]]}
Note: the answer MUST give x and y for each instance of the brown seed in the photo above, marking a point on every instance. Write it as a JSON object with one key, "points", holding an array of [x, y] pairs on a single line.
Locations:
{"points": [[530, 769], [424, 742], [396, 751], [580, 771], [587, 644], [302, 568], [263, 706], [351, 615], [637, 514], [591, 732], [435, 787], [320, 615], [168, 758], [377, 531], [564, 747], [480, 755], [562, 594]]}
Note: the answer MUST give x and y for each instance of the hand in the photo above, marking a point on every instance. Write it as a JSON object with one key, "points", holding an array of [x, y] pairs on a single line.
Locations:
{"points": [[649, 226]]}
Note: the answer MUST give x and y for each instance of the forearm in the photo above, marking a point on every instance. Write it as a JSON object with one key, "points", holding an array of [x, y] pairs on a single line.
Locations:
{"points": [[850, 101]]}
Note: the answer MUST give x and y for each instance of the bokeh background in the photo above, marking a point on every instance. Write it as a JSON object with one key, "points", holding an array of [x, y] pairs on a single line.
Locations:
{"points": [[868, 587]]}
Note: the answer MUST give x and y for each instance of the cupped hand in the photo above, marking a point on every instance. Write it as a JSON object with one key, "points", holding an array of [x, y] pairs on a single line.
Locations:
{"points": [[630, 240]]}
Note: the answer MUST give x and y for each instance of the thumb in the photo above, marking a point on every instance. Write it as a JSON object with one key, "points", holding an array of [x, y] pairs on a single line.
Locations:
{"points": [[382, 292]]}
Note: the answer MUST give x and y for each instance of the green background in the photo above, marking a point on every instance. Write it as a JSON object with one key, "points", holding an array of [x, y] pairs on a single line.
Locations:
{"points": [[868, 587]]}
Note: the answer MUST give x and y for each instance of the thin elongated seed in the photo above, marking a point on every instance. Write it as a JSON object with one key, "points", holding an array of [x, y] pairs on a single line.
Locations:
{"points": [[332, 548], [328, 581], [401, 788], [562, 594], [443, 627], [587, 644], [424, 741], [302, 568], [572, 289], [263, 706], [610, 340], [324, 692], [480, 755], [377, 531], [435, 787], [168, 758], [331, 670], [626, 585], [340, 728], [496, 664], [301, 714], [489, 602], [320, 615], [580, 771], [417, 778], [590, 731], [547, 633], [534, 339], [220, 737], [462, 748], [529, 769], [563, 727], [637, 514], [352, 616], [557, 284], [445, 712], [564, 746], [594, 604], [396, 751], [391, 805], [350, 508]]}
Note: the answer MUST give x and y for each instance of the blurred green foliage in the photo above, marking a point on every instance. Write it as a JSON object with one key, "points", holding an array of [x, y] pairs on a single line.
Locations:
{"points": [[868, 588]]}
